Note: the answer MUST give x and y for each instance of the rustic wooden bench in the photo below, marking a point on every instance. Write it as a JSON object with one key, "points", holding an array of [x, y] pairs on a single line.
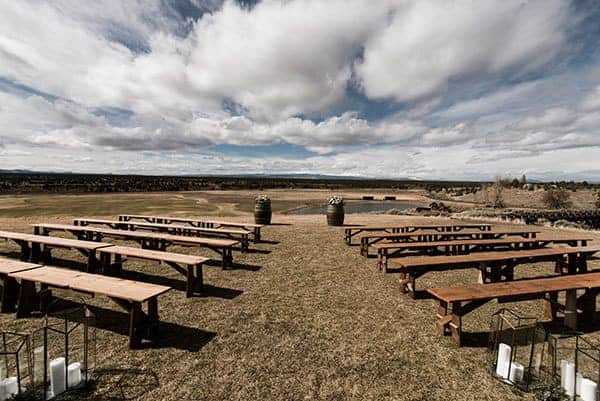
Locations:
{"points": [[189, 266], [36, 248], [350, 232], [387, 250], [128, 294], [202, 223], [10, 286], [467, 298], [493, 266], [235, 234], [368, 239], [147, 240]]}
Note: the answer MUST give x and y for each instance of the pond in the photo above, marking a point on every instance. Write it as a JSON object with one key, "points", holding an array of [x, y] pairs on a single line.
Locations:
{"points": [[359, 207]]}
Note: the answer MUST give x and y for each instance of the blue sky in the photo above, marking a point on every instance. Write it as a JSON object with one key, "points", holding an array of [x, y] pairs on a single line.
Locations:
{"points": [[394, 88]]}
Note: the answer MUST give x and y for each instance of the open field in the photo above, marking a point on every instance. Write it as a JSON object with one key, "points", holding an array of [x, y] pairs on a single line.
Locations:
{"points": [[302, 317]]}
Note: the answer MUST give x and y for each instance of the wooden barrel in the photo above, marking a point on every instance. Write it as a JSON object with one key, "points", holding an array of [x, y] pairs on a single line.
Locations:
{"points": [[335, 215], [262, 213]]}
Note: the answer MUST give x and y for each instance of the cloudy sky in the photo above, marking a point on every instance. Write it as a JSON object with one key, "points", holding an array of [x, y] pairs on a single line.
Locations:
{"points": [[466, 89]]}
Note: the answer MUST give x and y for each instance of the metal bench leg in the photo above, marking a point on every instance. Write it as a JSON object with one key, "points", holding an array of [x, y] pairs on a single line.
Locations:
{"points": [[227, 259], [25, 251], [256, 234], [194, 280], [587, 303]]}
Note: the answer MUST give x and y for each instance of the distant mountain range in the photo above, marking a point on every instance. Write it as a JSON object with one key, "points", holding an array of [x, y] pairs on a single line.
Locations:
{"points": [[307, 176]]}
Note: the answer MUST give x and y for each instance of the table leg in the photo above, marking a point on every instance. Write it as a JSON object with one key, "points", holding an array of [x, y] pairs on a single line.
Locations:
{"points": [[135, 321], [153, 319], [571, 309], [10, 293], [27, 299]]}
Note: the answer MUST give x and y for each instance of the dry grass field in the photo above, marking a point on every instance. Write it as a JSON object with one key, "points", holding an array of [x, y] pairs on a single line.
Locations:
{"points": [[301, 317]]}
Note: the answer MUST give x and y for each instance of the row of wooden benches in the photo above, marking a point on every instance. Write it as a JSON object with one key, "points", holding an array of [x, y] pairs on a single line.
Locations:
{"points": [[453, 252]]}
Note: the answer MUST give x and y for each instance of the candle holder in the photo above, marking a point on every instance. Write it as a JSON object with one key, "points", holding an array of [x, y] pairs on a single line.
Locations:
{"points": [[575, 363], [516, 348], [15, 364], [64, 349]]}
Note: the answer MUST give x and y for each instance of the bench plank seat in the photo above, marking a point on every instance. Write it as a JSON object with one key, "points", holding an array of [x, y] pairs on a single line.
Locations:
{"points": [[10, 286], [350, 232], [493, 266], [236, 234], [195, 222], [456, 302], [387, 250], [127, 293], [190, 266], [147, 240], [37, 248], [368, 239]]}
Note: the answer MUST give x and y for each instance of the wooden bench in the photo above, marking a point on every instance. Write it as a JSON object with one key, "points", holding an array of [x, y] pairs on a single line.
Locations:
{"points": [[128, 294], [369, 239], [189, 266], [456, 302], [36, 248], [202, 223], [350, 232], [10, 286], [493, 266], [147, 240], [236, 234], [387, 250]]}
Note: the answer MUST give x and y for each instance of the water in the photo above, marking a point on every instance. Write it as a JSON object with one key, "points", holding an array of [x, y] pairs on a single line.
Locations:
{"points": [[359, 207]]}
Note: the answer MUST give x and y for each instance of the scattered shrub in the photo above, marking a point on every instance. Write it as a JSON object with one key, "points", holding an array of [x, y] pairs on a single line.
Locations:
{"points": [[557, 198]]}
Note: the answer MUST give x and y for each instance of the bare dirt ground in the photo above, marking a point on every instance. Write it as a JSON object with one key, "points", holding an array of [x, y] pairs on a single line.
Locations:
{"points": [[522, 198], [302, 317]]}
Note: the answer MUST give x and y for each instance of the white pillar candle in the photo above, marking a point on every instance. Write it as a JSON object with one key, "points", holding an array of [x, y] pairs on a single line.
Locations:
{"points": [[57, 376], [3, 390], [578, 377], [563, 373], [516, 372], [503, 362], [588, 390], [74, 374], [12, 386], [570, 379]]}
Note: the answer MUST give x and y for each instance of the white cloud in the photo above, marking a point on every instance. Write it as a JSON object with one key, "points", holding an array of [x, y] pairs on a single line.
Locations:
{"points": [[431, 42]]}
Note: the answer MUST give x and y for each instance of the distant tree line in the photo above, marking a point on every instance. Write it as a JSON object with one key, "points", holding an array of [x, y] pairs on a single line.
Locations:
{"points": [[15, 183]]}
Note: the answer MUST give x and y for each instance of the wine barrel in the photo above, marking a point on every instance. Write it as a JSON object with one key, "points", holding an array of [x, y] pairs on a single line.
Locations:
{"points": [[262, 213], [335, 215]]}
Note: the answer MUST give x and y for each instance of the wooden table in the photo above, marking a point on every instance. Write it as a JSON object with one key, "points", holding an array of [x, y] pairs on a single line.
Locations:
{"points": [[493, 266], [190, 266], [350, 232], [147, 240], [37, 248], [465, 299], [128, 294], [10, 286], [387, 250], [236, 234], [202, 223], [368, 239]]}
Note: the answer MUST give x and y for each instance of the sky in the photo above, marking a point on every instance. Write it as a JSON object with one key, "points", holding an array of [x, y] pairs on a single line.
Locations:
{"points": [[428, 89]]}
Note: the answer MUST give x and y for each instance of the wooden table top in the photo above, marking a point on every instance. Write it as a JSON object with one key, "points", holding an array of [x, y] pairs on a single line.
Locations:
{"points": [[474, 292], [485, 257], [420, 226], [154, 255], [435, 244], [8, 266], [447, 233], [54, 241], [135, 291], [191, 220]]}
